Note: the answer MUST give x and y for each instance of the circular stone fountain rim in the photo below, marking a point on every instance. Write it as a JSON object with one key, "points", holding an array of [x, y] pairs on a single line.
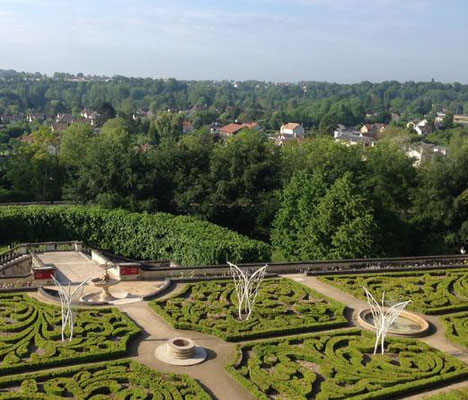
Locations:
{"points": [[423, 324], [162, 352], [100, 282], [172, 343]]}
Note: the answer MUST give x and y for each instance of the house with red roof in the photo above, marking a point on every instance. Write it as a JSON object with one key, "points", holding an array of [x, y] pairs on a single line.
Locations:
{"points": [[232, 129], [292, 129]]}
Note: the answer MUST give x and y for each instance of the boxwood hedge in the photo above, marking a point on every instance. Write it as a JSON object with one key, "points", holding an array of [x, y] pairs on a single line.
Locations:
{"points": [[30, 334], [112, 380], [185, 240], [432, 292], [282, 307], [456, 327], [340, 365]]}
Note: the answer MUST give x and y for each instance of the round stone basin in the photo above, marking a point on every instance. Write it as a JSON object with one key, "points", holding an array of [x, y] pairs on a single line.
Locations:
{"points": [[105, 294], [180, 351], [407, 324], [100, 283], [181, 348]]}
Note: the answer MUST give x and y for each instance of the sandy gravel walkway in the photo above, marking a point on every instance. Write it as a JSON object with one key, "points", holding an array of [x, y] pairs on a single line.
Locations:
{"points": [[211, 373]]}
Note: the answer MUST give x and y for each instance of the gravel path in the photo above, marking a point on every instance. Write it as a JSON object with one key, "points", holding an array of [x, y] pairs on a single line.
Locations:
{"points": [[211, 373]]}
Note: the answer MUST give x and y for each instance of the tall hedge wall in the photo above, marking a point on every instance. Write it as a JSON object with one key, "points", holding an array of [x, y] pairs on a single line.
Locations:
{"points": [[185, 240]]}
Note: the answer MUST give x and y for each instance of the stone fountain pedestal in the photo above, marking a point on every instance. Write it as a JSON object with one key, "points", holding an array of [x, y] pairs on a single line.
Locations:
{"points": [[105, 295], [180, 351], [104, 283]]}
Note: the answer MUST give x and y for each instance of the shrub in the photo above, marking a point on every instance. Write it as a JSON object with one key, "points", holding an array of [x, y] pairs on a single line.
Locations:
{"points": [[117, 380], [340, 365], [282, 307], [185, 240], [456, 327], [30, 334], [432, 292]]}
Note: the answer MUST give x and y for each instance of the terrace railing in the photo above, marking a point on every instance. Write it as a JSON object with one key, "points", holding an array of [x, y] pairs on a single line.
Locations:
{"points": [[31, 248]]}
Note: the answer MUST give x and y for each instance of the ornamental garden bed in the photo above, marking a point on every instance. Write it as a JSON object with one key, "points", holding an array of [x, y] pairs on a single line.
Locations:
{"points": [[112, 380], [433, 292], [456, 327], [30, 334], [282, 307], [340, 365]]}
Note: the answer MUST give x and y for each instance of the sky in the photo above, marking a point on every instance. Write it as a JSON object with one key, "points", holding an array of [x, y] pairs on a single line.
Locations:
{"points": [[272, 40]]}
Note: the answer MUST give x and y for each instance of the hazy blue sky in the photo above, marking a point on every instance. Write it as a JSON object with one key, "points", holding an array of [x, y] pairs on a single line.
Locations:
{"points": [[277, 40]]}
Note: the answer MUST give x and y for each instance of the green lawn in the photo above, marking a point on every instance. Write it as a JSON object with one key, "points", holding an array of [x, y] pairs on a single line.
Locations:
{"points": [[282, 307]]}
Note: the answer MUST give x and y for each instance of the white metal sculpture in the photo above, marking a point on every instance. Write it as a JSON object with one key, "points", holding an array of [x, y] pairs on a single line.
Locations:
{"points": [[383, 317], [247, 288], [67, 295]]}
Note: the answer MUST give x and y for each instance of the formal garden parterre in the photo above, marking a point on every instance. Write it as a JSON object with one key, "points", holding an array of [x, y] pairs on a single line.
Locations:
{"points": [[334, 364], [340, 365], [456, 327], [282, 307], [120, 380], [30, 338], [431, 292], [30, 334]]}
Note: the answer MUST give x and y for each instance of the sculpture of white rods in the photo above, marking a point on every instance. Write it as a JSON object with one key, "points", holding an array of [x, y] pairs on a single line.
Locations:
{"points": [[67, 295], [247, 288], [383, 317]]}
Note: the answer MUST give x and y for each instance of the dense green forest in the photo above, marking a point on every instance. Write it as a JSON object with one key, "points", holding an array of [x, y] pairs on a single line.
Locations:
{"points": [[311, 103], [313, 199]]}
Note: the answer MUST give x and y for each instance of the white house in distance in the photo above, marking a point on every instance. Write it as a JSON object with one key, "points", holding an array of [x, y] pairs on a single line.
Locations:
{"points": [[351, 137], [422, 151], [422, 127], [292, 129], [372, 129]]}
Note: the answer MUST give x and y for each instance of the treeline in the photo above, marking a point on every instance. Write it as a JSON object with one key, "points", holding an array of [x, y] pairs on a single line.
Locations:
{"points": [[314, 199], [314, 104]]}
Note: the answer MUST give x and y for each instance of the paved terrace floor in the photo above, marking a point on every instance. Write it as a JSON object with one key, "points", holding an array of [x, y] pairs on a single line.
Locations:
{"points": [[72, 266]]}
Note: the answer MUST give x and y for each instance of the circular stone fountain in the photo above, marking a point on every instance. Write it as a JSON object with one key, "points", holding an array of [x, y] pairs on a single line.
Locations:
{"points": [[104, 282], [407, 324], [180, 351]]}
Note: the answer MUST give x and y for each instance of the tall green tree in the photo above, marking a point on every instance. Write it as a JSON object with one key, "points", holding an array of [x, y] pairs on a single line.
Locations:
{"points": [[244, 175], [314, 222], [440, 211]]}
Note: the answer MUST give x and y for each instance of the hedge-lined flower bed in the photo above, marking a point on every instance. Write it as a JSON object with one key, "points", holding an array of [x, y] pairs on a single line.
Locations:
{"points": [[456, 327], [433, 292], [282, 307], [30, 334], [112, 380], [185, 240], [340, 365]]}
